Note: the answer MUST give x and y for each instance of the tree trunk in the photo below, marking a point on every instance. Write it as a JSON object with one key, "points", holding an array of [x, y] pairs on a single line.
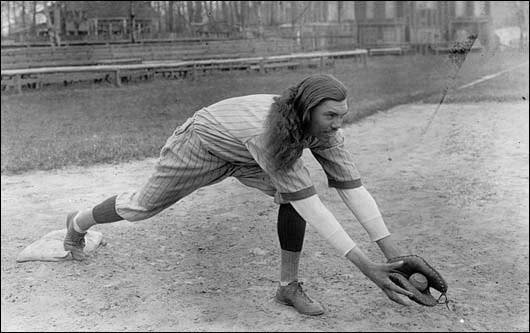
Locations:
{"points": [[208, 5], [170, 15], [259, 17], [274, 13], [198, 12], [294, 13], [9, 18], [226, 13], [244, 15], [34, 19], [189, 10], [181, 20], [208, 16], [235, 13], [161, 21], [49, 26], [57, 23], [132, 15], [23, 16]]}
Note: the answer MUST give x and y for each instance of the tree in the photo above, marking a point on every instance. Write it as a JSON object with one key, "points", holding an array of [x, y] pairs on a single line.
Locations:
{"points": [[197, 9], [171, 16], [23, 16], [132, 14], [34, 18], [8, 4], [243, 16], [189, 10], [235, 17]]}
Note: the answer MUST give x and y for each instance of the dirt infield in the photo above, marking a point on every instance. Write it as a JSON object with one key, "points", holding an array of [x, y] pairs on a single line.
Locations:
{"points": [[457, 196]]}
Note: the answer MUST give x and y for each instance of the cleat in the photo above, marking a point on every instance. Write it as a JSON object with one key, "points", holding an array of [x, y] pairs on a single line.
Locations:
{"points": [[74, 241], [294, 295]]}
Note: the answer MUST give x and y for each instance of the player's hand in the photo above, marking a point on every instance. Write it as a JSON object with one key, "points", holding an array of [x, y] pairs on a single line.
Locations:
{"points": [[379, 274]]}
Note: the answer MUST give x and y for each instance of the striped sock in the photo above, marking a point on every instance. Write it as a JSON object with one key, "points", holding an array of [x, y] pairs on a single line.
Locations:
{"points": [[289, 267]]}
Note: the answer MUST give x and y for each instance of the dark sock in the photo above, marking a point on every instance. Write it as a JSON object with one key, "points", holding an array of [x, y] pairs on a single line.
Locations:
{"points": [[105, 212]]}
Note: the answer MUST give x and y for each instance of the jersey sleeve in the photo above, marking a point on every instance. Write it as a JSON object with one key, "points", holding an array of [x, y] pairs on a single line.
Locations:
{"points": [[337, 163], [292, 184]]}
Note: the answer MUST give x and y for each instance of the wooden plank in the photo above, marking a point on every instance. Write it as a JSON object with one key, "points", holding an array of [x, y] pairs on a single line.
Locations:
{"points": [[51, 56], [130, 75], [176, 63], [69, 78], [70, 63], [119, 70], [208, 56], [263, 67], [221, 67], [119, 61], [386, 51]]}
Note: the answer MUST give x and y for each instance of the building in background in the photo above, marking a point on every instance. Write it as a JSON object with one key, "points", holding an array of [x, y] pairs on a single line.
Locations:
{"points": [[312, 24], [110, 19], [319, 24], [382, 23], [379, 24]]}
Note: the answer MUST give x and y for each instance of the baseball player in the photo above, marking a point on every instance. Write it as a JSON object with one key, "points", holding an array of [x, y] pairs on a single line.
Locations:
{"points": [[259, 140]]}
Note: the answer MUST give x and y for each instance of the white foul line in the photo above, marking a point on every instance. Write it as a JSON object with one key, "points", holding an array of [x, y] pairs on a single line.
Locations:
{"points": [[491, 76]]}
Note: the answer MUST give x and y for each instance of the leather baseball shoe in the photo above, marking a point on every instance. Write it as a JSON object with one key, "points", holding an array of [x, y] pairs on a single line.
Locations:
{"points": [[74, 241], [294, 295]]}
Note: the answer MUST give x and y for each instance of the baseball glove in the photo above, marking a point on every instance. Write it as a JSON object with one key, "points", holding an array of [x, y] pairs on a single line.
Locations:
{"points": [[416, 264]]}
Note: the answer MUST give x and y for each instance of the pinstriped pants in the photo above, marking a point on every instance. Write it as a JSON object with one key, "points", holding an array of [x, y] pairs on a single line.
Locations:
{"points": [[185, 165]]}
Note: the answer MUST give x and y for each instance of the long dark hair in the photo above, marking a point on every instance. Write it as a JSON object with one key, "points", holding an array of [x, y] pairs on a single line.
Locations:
{"points": [[290, 116]]}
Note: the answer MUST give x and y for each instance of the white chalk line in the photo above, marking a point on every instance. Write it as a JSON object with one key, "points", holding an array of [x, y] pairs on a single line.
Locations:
{"points": [[491, 76]]}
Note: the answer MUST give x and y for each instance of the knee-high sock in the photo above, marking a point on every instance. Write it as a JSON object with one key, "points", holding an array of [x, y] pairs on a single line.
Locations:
{"points": [[291, 231], [105, 212]]}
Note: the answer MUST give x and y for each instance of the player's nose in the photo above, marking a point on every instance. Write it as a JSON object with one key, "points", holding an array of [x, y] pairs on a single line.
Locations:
{"points": [[336, 124]]}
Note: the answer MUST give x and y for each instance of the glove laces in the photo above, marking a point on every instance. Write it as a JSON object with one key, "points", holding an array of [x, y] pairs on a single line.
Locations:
{"points": [[445, 300]]}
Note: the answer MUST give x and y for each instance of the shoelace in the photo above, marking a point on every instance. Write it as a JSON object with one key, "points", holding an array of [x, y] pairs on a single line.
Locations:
{"points": [[77, 238], [301, 292]]}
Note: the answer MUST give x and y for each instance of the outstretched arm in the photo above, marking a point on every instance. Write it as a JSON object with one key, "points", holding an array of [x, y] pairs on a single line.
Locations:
{"points": [[317, 215], [365, 209]]}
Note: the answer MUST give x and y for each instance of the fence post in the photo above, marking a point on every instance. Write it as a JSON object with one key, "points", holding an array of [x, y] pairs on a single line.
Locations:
{"points": [[18, 83], [261, 66], [194, 72], [118, 78]]}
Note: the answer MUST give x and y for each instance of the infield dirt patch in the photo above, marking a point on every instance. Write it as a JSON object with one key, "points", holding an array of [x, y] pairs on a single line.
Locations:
{"points": [[457, 196]]}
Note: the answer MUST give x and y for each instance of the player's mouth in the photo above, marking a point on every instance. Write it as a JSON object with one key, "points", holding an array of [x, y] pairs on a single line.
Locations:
{"points": [[329, 133]]}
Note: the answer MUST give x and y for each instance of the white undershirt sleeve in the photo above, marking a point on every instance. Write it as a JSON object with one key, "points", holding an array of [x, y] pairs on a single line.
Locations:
{"points": [[365, 209], [318, 216]]}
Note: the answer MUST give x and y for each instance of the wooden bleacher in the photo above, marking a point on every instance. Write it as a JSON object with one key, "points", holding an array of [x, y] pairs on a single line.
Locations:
{"points": [[386, 51], [83, 55], [128, 69]]}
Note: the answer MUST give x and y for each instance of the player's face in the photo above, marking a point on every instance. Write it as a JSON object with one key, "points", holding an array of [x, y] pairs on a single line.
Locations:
{"points": [[327, 118]]}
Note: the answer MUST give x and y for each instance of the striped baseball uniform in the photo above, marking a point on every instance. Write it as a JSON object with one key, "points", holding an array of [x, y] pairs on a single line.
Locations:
{"points": [[227, 139]]}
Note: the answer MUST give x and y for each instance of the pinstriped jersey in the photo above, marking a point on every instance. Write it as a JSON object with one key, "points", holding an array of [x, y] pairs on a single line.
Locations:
{"points": [[234, 130]]}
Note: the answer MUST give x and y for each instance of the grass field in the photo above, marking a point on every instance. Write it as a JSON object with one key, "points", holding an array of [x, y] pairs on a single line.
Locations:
{"points": [[84, 125]]}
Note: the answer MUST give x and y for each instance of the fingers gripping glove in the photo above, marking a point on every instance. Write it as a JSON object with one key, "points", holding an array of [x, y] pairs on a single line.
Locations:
{"points": [[416, 264]]}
